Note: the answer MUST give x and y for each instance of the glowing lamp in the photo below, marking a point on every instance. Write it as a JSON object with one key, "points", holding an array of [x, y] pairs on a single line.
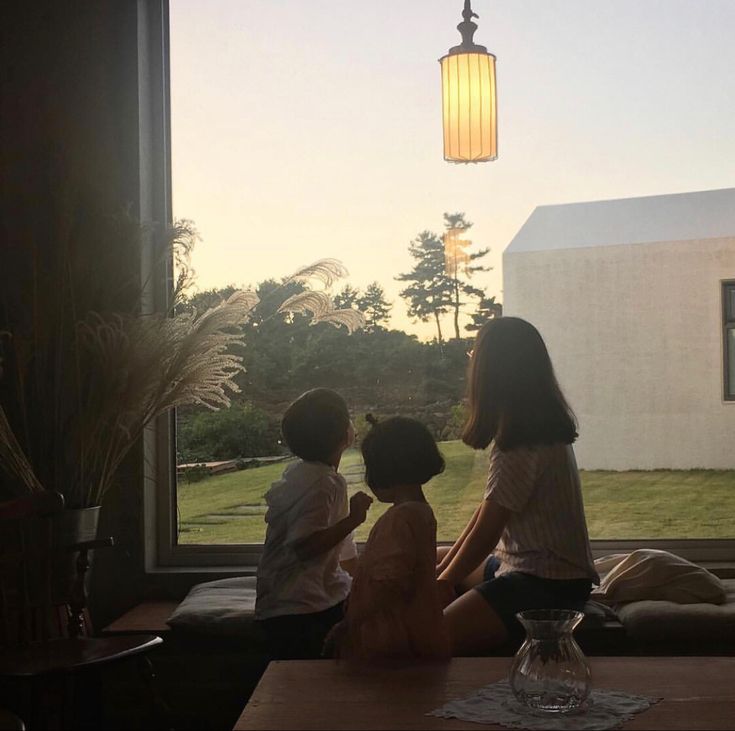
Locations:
{"points": [[469, 98]]}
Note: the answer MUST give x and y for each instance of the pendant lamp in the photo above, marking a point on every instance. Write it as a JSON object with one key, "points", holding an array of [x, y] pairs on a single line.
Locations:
{"points": [[469, 98]]}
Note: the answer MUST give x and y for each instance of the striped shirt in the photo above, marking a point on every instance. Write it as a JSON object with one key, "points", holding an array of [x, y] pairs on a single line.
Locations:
{"points": [[546, 534]]}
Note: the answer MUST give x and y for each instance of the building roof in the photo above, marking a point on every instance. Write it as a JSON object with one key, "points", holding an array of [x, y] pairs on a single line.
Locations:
{"points": [[705, 214]]}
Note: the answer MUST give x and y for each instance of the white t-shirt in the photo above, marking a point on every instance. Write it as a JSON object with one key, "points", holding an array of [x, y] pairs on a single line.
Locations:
{"points": [[546, 534], [309, 497]]}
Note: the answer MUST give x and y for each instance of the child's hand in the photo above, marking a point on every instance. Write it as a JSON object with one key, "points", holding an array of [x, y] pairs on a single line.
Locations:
{"points": [[360, 503]]}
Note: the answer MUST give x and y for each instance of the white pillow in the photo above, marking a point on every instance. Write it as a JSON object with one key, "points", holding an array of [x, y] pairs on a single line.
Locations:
{"points": [[648, 574]]}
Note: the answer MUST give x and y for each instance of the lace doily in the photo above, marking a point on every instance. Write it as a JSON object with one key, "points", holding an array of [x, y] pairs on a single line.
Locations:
{"points": [[604, 709]]}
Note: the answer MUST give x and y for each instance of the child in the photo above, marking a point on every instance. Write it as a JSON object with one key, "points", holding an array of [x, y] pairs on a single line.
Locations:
{"points": [[301, 586], [526, 546], [394, 609]]}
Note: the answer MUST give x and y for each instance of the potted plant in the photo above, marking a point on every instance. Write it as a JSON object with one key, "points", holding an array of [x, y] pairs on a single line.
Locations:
{"points": [[85, 367]]}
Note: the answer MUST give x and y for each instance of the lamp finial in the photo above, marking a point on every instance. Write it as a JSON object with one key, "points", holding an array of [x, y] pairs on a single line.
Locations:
{"points": [[467, 29], [467, 13]]}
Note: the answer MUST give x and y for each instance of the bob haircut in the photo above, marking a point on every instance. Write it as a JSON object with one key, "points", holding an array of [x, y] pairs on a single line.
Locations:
{"points": [[316, 424], [399, 451], [513, 394]]}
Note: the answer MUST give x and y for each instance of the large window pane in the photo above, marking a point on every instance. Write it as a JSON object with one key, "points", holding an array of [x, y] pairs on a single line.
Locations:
{"points": [[294, 145]]}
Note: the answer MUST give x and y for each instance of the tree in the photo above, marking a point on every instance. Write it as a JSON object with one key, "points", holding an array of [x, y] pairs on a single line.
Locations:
{"points": [[439, 277], [429, 290], [375, 307], [239, 431], [348, 297], [458, 263], [272, 339], [487, 309], [202, 301]]}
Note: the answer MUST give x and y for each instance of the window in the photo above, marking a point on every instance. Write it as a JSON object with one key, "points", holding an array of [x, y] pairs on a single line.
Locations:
{"points": [[283, 153], [728, 322]]}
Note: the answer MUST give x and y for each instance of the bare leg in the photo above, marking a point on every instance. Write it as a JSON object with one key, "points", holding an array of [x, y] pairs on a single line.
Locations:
{"points": [[474, 578], [474, 626]]}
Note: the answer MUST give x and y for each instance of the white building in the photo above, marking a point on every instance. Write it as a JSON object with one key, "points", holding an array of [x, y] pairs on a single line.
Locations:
{"points": [[635, 299]]}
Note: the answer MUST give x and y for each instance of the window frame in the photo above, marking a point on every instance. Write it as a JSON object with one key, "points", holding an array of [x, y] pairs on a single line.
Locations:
{"points": [[728, 326], [162, 552]]}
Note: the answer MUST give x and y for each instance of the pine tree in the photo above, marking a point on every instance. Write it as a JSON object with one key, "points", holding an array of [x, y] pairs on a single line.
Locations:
{"points": [[375, 307], [458, 264], [487, 309], [347, 298], [439, 279], [428, 293]]}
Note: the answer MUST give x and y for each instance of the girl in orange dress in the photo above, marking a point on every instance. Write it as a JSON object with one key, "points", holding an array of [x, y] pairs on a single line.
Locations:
{"points": [[394, 609]]}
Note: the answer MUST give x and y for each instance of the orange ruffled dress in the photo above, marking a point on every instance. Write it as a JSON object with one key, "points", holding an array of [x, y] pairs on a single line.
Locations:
{"points": [[393, 609]]}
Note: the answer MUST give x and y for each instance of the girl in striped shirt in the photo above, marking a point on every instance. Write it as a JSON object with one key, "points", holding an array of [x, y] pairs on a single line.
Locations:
{"points": [[526, 546]]}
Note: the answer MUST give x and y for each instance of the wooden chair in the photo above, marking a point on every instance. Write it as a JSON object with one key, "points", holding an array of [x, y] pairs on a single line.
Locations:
{"points": [[36, 650], [10, 722]]}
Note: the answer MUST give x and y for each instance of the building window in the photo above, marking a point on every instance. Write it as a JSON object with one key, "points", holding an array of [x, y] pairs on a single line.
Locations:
{"points": [[728, 332]]}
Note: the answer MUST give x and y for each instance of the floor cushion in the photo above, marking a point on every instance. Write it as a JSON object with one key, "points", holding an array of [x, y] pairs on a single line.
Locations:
{"points": [[597, 614], [226, 608], [668, 621], [223, 608]]}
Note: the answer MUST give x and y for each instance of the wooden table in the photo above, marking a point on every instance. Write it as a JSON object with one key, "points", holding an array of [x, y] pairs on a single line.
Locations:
{"points": [[698, 692]]}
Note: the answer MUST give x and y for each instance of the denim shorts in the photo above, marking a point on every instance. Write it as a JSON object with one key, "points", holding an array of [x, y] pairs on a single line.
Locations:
{"points": [[515, 592]]}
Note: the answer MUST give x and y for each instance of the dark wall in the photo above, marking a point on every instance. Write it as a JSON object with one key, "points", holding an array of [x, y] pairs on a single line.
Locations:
{"points": [[68, 129], [68, 157]]}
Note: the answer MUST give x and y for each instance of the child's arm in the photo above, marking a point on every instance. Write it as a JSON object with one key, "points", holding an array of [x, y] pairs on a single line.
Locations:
{"points": [[458, 543], [510, 484], [479, 543], [327, 538]]}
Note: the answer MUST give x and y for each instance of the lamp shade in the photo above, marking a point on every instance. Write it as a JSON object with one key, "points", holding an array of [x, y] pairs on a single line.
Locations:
{"points": [[469, 107]]}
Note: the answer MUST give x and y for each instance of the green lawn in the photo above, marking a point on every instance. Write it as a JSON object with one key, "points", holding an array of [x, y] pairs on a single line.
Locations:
{"points": [[658, 504]]}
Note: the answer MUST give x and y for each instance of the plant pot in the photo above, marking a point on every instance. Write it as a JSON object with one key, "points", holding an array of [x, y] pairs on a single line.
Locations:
{"points": [[71, 526], [75, 525]]}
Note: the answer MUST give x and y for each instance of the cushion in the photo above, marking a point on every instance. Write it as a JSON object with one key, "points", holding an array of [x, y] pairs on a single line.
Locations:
{"points": [[224, 608], [648, 574], [597, 614], [667, 621]]}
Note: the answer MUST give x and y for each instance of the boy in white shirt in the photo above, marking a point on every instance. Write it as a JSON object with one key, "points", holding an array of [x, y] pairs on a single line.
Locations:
{"points": [[302, 585]]}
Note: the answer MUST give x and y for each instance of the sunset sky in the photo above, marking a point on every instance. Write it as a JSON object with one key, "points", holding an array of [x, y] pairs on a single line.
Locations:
{"points": [[305, 129]]}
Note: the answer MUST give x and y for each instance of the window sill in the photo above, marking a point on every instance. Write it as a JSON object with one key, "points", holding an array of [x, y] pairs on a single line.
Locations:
{"points": [[223, 571]]}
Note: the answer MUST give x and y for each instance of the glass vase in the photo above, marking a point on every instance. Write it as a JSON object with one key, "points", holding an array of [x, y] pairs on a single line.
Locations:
{"points": [[550, 673]]}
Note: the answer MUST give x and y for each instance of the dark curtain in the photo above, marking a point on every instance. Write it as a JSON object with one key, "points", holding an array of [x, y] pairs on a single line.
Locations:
{"points": [[68, 161]]}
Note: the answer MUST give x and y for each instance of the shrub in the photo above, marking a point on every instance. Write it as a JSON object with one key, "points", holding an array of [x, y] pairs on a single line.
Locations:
{"points": [[457, 420], [197, 473], [240, 431]]}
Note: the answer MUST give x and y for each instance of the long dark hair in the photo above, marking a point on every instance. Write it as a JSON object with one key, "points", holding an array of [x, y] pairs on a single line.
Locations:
{"points": [[513, 394]]}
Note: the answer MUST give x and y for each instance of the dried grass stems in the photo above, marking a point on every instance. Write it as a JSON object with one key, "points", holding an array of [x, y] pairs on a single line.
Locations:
{"points": [[100, 375]]}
